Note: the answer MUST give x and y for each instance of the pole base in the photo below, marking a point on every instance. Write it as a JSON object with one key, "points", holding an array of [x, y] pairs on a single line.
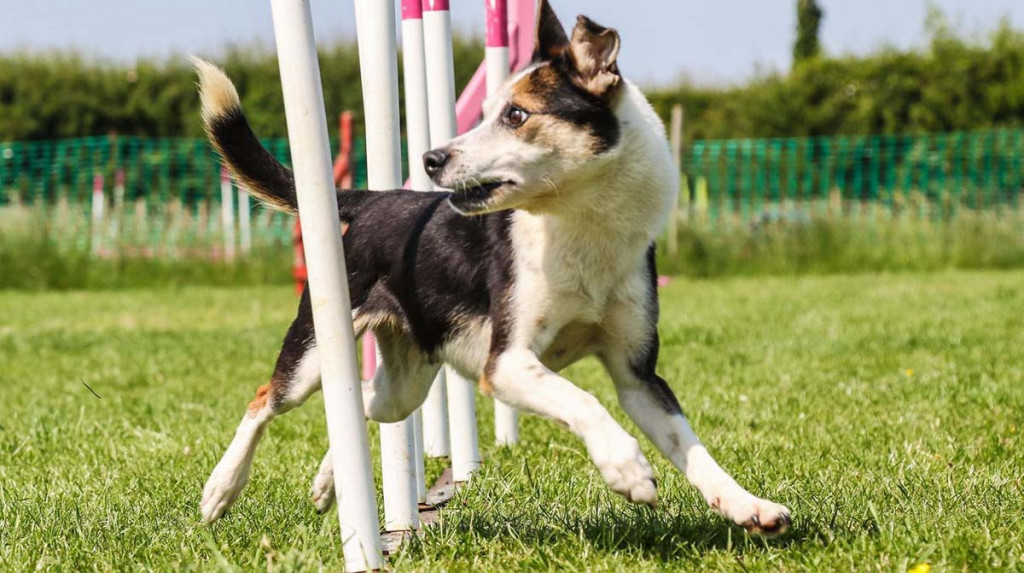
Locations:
{"points": [[438, 495]]}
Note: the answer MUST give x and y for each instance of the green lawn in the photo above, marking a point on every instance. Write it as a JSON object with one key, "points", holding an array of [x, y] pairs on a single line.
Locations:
{"points": [[887, 411]]}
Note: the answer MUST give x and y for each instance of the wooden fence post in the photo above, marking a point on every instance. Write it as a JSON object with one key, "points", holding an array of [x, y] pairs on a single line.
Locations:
{"points": [[676, 139]]}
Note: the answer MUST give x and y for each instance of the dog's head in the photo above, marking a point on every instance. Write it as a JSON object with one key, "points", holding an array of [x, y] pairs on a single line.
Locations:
{"points": [[543, 127]]}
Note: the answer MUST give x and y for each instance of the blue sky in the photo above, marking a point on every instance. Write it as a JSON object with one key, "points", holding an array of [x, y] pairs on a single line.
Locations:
{"points": [[709, 41]]}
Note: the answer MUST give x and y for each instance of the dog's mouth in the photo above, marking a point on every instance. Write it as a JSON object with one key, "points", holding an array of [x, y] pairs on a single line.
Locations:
{"points": [[473, 198]]}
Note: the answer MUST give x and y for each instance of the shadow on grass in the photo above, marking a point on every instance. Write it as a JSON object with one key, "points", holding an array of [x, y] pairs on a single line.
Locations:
{"points": [[656, 535]]}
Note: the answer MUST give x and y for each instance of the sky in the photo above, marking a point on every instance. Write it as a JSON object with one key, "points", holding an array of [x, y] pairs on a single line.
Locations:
{"points": [[707, 41]]}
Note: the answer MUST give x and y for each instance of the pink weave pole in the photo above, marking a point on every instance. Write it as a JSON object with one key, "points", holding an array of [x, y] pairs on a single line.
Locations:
{"points": [[443, 120], [519, 39], [497, 23]]}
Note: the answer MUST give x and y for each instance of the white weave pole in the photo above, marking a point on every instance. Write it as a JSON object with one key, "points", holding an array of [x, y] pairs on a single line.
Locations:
{"points": [[437, 41], [506, 419], [99, 203], [378, 68], [244, 221], [227, 214], [417, 136], [419, 465], [436, 440], [328, 285]]}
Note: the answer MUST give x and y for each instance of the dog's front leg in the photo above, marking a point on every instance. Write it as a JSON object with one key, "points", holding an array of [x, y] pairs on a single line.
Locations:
{"points": [[519, 379]]}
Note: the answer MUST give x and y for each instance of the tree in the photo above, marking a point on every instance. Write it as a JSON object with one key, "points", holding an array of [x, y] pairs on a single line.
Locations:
{"points": [[808, 20]]}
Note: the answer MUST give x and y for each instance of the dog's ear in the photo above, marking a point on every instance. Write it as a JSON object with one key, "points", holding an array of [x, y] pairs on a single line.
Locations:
{"points": [[594, 50], [550, 40]]}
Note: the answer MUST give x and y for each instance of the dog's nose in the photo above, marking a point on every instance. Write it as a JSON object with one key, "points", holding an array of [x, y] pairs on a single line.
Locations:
{"points": [[435, 160]]}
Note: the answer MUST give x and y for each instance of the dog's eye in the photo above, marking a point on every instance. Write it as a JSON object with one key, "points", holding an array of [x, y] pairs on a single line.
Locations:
{"points": [[515, 116]]}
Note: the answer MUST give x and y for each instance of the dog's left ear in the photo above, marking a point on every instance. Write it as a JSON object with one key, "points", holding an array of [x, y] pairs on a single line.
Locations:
{"points": [[594, 50]]}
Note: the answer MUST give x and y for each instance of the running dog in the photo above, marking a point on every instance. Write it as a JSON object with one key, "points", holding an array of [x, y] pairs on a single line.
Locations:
{"points": [[541, 254]]}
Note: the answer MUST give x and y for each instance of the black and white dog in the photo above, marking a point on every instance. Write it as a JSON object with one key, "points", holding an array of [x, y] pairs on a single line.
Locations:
{"points": [[542, 254]]}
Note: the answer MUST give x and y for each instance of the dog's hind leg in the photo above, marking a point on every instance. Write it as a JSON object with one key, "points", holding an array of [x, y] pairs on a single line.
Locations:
{"points": [[295, 378], [651, 404], [629, 355], [398, 387], [323, 485]]}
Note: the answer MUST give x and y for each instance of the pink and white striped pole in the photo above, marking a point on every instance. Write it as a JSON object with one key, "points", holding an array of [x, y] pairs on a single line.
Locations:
{"points": [[417, 115], [99, 203], [369, 355], [378, 68], [437, 41], [417, 134], [244, 221], [506, 419], [520, 22], [496, 54], [116, 212], [227, 214], [522, 16], [118, 191]]}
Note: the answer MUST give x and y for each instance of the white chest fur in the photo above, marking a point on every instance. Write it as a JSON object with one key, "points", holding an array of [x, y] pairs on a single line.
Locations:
{"points": [[566, 278], [573, 267]]}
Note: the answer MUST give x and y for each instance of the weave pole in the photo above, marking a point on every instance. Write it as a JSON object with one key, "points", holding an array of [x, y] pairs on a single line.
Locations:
{"points": [[378, 68], [506, 419], [118, 211], [521, 20], [417, 135], [227, 214], [437, 41], [244, 222], [328, 285], [676, 144], [99, 203], [434, 411]]}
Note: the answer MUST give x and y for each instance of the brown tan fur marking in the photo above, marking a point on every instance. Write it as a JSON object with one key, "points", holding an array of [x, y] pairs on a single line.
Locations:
{"points": [[486, 388], [262, 396], [533, 93]]}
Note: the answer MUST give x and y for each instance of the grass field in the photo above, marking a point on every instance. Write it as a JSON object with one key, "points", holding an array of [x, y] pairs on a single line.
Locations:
{"points": [[887, 411]]}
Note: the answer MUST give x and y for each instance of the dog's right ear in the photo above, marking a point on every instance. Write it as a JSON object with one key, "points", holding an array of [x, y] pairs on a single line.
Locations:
{"points": [[550, 40]]}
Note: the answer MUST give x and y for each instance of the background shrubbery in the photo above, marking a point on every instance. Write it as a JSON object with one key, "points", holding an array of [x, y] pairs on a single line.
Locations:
{"points": [[58, 95], [959, 81]]}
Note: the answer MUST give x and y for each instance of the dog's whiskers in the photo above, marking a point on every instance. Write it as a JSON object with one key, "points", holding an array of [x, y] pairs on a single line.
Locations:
{"points": [[552, 185]]}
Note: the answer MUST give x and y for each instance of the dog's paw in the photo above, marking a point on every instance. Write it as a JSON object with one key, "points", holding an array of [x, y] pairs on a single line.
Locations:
{"points": [[221, 491], [323, 491], [756, 515], [626, 470]]}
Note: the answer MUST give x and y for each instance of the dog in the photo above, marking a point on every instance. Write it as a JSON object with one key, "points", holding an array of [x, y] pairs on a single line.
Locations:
{"points": [[541, 254]]}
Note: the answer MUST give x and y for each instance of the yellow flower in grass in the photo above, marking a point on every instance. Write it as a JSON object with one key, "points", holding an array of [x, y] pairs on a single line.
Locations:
{"points": [[920, 568], [909, 372]]}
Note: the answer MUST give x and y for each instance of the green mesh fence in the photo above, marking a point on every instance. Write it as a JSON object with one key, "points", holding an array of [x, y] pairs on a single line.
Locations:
{"points": [[157, 170], [763, 178], [170, 196], [171, 191]]}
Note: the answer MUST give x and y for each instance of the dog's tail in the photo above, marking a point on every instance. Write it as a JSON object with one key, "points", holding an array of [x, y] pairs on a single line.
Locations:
{"points": [[252, 166]]}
